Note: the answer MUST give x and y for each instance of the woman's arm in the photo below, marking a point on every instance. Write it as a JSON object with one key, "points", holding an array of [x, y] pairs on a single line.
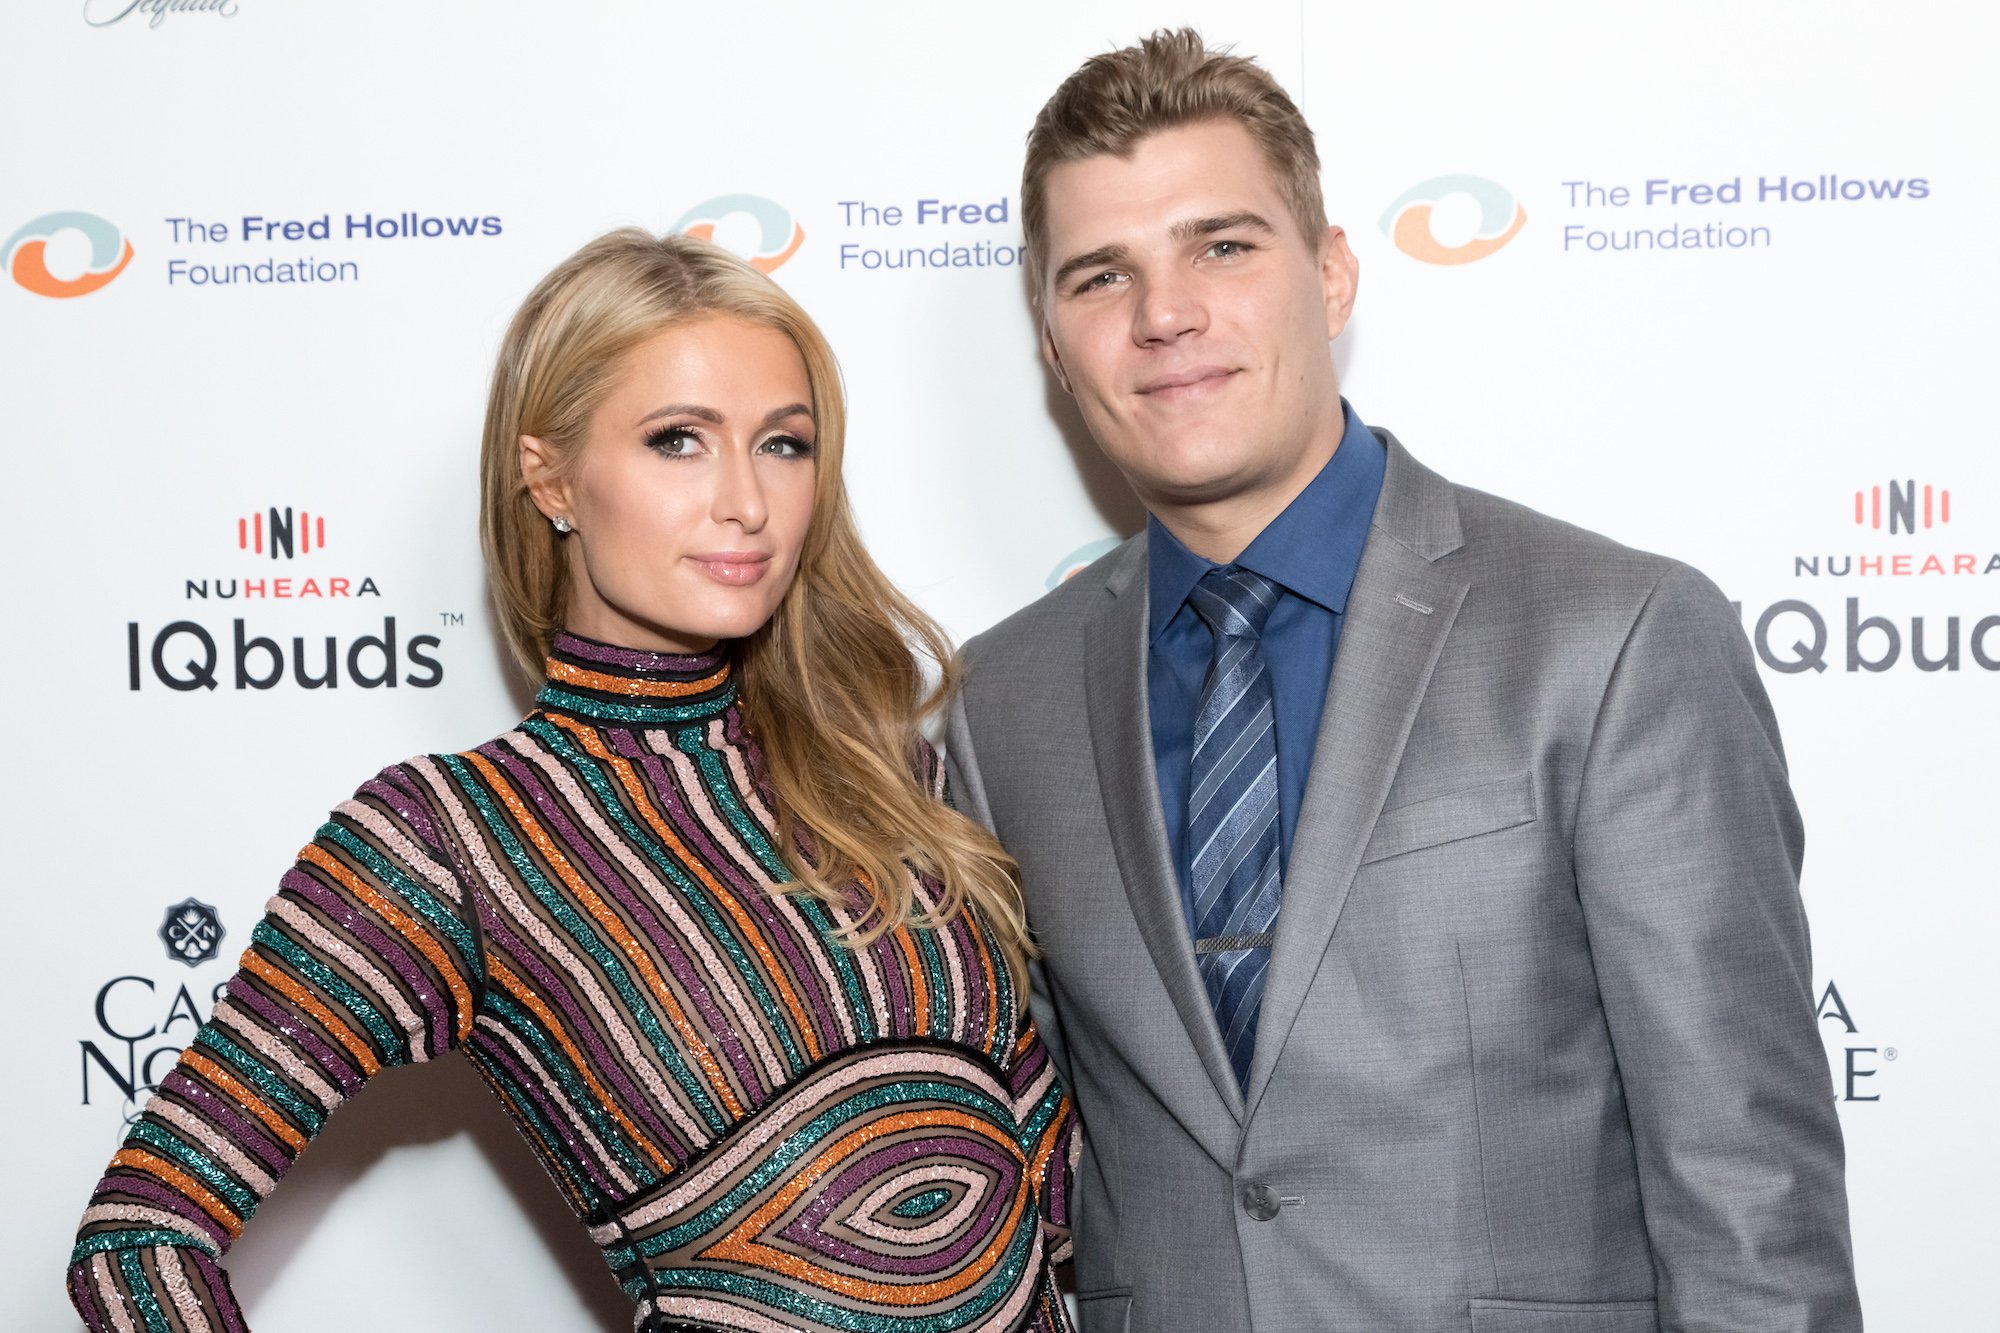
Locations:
{"points": [[368, 956]]}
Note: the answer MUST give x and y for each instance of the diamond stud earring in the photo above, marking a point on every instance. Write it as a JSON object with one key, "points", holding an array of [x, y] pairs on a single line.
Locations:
{"points": [[562, 524]]}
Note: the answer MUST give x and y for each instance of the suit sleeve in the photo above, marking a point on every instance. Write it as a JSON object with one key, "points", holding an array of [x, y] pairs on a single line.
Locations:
{"points": [[969, 796], [1688, 846], [364, 959]]}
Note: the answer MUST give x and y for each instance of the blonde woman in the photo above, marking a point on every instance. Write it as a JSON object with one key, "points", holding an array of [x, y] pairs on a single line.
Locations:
{"points": [[703, 921]]}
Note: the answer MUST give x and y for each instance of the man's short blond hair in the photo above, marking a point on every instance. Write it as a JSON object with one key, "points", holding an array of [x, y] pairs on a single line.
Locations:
{"points": [[1167, 80]]}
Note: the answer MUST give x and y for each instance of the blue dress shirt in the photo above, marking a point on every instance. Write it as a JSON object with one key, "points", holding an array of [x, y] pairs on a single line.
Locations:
{"points": [[1310, 551]]}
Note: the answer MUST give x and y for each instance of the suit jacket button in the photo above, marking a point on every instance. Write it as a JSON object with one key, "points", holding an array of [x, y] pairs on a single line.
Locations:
{"points": [[1261, 1202]]}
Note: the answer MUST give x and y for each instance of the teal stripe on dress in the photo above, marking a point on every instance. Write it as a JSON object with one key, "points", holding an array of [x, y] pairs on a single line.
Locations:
{"points": [[693, 742], [808, 1136], [587, 939], [642, 715], [721, 932], [134, 1274], [999, 1285], [427, 904], [262, 1077], [104, 1241], [196, 1163], [394, 1044], [937, 1022], [576, 1093]]}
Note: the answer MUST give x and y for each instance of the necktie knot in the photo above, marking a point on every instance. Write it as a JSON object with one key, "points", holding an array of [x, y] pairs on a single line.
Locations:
{"points": [[1234, 601]]}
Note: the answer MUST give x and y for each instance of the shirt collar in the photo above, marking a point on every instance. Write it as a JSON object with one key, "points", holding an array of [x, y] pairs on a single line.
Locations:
{"points": [[1312, 549]]}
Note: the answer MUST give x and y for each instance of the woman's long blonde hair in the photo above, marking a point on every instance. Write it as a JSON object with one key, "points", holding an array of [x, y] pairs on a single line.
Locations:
{"points": [[833, 687]]}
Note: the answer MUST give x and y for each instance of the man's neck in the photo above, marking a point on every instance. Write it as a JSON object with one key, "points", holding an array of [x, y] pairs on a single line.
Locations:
{"points": [[1218, 530]]}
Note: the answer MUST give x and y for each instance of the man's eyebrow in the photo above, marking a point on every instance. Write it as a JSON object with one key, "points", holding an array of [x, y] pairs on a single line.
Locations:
{"points": [[1186, 229], [1189, 229], [1103, 254]]}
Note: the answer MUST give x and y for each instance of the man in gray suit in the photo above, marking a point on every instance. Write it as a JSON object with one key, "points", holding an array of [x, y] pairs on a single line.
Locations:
{"points": [[1416, 875]]}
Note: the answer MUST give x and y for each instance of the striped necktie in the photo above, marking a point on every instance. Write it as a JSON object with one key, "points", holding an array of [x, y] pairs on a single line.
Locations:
{"points": [[1232, 823]]}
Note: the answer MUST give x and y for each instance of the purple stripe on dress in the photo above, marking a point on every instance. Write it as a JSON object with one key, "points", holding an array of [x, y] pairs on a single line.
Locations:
{"points": [[245, 1133], [217, 1282], [978, 999], [1055, 1181], [805, 1228], [693, 665], [674, 959], [406, 805], [288, 1025], [725, 865], [141, 1186], [396, 955], [570, 1146], [606, 1063]]}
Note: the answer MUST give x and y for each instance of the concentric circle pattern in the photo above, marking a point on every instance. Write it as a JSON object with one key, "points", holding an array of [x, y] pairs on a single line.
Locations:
{"points": [[886, 1191]]}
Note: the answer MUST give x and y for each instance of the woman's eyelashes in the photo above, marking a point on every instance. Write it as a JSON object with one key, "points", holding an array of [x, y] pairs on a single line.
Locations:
{"points": [[687, 442]]}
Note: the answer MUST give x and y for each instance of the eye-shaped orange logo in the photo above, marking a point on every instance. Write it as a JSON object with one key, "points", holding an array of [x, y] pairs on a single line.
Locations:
{"points": [[1408, 221], [778, 237], [26, 254]]}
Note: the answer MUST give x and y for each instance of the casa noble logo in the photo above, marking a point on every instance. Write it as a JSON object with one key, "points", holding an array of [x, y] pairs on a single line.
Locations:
{"points": [[26, 254], [778, 235], [1408, 221]]}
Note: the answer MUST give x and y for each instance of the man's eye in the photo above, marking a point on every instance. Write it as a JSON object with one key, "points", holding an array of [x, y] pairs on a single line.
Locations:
{"points": [[1100, 280], [1228, 249]]}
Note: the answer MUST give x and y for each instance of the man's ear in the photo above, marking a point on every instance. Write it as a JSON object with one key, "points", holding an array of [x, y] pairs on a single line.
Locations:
{"points": [[1339, 273], [1054, 358], [549, 491]]}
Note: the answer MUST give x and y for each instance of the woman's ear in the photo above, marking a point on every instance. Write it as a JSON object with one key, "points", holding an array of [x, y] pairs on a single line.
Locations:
{"points": [[546, 487]]}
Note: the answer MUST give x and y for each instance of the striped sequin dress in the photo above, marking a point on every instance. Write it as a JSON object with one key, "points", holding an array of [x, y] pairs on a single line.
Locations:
{"points": [[762, 1128]]}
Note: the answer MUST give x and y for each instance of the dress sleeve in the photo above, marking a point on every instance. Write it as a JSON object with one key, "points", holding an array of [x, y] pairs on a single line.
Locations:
{"points": [[368, 956]]}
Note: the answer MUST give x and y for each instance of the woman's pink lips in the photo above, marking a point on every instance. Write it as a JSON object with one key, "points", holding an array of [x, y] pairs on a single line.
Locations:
{"points": [[737, 568]]}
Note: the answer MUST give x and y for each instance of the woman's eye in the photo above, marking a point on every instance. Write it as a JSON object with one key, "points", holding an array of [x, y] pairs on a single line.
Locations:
{"points": [[674, 441], [788, 446]]}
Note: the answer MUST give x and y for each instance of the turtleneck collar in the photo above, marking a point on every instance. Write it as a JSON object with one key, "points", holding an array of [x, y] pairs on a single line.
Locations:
{"points": [[613, 686]]}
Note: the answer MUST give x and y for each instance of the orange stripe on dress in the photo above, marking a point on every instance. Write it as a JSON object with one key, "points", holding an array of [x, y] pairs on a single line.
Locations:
{"points": [[521, 991], [920, 991], [245, 1097], [585, 678], [352, 1042], [739, 1244], [404, 925], [628, 943], [138, 1159], [634, 786]]}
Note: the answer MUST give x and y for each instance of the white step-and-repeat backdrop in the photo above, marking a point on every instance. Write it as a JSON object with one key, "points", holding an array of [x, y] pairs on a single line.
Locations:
{"points": [[1715, 278]]}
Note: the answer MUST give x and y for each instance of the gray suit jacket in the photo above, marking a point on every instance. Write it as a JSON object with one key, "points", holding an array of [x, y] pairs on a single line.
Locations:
{"points": [[1537, 1051]]}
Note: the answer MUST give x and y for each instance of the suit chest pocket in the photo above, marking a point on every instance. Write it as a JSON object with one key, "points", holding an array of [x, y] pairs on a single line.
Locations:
{"points": [[1455, 816]]}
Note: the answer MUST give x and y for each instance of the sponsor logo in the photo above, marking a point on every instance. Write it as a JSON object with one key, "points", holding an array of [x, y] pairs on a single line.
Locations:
{"points": [[192, 932], [140, 1024], [946, 234], [306, 532], [778, 236], [1080, 559], [1855, 1067], [1698, 224], [1408, 221], [26, 254], [186, 655], [104, 13], [1912, 520]]}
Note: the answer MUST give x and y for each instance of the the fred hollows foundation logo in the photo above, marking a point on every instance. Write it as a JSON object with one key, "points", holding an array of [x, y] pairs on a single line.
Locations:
{"points": [[26, 254], [1407, 222], [778, 236]]}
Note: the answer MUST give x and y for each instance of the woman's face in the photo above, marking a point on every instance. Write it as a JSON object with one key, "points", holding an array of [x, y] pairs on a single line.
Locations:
{"points": [[690, 497]]}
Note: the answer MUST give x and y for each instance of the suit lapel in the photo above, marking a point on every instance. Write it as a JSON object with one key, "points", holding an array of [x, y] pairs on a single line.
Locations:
{"points": [[1122, 741], [1399, 613]]}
